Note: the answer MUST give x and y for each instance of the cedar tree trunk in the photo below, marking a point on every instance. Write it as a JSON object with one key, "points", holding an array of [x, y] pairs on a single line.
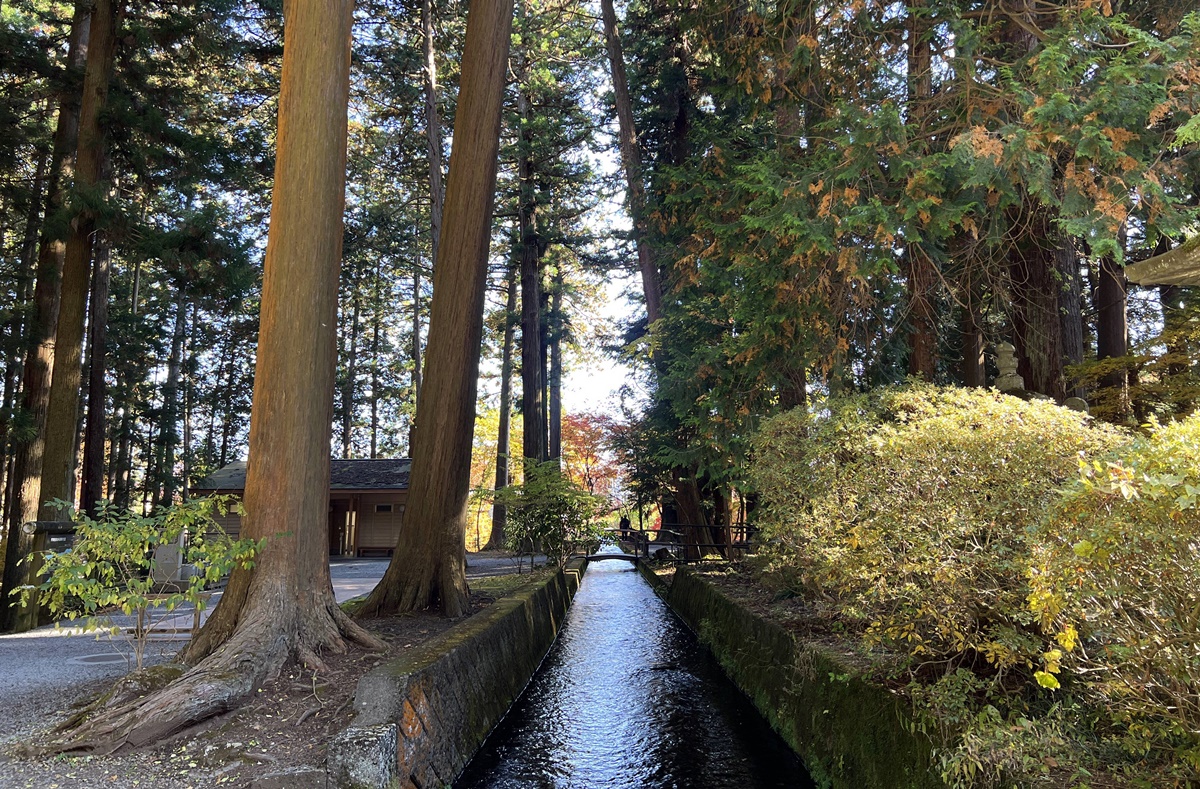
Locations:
{"points": [[499, 511], [428, 567], [283, 607]]}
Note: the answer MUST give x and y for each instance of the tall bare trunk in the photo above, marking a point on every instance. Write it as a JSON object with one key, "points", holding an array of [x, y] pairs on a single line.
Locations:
{"points": [[168, 432], [62, 409], [631, 162], [1112, 327], [533, 382], [416, 352], [554, 447], [428, 567], [283, 607], [35, 376], [499, 511], [94, 437], [348, 387]]}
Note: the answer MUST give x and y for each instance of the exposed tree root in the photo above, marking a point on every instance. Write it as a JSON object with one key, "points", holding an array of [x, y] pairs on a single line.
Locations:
{"points": [[264, 642], [415, 586]]}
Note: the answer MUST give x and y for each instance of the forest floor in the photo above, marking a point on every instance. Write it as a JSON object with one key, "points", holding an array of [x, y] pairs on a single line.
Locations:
{"points": [[277, 741]]}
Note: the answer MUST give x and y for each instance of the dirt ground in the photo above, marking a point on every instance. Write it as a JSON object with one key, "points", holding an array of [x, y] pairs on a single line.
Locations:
{"points": [[277, 741]]}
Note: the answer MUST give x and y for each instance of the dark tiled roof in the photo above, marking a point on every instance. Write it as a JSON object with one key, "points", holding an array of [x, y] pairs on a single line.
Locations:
{"points": [[384, 474]]}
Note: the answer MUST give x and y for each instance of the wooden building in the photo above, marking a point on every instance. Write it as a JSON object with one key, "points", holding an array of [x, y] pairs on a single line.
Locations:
{"points": [[366, 502]]}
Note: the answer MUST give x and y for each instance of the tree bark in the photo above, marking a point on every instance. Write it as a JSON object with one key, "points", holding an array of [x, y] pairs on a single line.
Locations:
{"points": [[283, 607], [974, 371], [348, 387], [62, 409], [168, 432], [1112, 327], [94, 438], [416, 355], [533, 384], [35, 376], [554, 447], [1070, 301], [631, 162], [1034, 286], [428, 567], [499, 512]]}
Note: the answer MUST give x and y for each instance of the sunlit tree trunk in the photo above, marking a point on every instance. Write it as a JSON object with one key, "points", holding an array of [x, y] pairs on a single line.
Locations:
{"points": [[283, 608], [428, 567]]}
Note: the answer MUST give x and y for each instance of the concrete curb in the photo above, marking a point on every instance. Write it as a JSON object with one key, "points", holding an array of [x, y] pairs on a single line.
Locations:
{"points": [[422, 717]]}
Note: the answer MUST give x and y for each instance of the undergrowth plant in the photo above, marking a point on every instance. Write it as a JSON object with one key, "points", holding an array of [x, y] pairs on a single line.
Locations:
{"points": [[548, 510], [1116, 581], [110, 567], [912, 513]]}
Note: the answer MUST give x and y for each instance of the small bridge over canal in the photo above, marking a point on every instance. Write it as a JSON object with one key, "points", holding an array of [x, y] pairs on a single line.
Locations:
{"points": [[628, 557]]}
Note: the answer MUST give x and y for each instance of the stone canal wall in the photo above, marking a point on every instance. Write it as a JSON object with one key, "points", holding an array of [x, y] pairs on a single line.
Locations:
{"points": [[848, 731], [421, 717]]}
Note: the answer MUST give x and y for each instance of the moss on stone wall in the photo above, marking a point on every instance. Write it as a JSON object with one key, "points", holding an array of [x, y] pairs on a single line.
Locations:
{"points": [[422, 716], [849, 731]]}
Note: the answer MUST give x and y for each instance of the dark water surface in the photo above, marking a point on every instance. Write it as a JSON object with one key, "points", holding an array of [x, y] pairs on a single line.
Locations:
{"points": [[628, 698]]}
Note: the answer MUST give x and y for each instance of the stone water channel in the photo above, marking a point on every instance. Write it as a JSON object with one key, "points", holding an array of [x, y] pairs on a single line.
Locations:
{"points": [[627, 697]]}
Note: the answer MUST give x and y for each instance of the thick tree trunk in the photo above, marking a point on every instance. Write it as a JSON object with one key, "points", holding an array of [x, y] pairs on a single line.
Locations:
{"points": [[94, 438], [974, 372], [283, 607], [62, 409], [499, 511], [35, 376], [1037, 327], [428, 567], [1112, 328], [631, 162], [1070, 301], [533, 383]]}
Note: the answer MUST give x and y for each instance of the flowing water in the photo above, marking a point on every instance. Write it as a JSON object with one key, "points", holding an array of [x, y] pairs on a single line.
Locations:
{"points": [[628, 698]]}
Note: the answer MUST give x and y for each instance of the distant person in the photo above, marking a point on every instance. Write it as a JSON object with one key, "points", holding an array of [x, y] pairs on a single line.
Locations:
{"points": [[623, 526]]}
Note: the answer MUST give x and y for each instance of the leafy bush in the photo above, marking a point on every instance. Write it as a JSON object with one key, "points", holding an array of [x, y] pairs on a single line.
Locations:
{"points": [[550, 511], [912, 506], [911, 512], [112, 560], [1116, 580]]}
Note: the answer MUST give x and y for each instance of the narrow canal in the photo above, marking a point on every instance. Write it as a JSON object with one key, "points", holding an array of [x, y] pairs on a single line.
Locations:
{"points": [[628, 698]]}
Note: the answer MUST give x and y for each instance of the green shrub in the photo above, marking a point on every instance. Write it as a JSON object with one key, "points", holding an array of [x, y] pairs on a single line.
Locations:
{"points": [[911, 508], [110, 566], [1116, 580], [549, 511]]}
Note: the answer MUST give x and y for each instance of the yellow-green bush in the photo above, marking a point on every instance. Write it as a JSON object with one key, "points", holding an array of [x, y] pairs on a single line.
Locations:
{"points": [[912, 508], [1116, 579], [1037, 573]]}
